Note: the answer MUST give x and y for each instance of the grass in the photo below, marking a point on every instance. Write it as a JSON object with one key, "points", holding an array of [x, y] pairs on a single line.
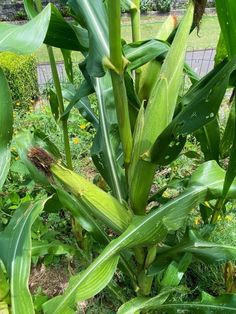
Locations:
{"points": [[150, 26]]}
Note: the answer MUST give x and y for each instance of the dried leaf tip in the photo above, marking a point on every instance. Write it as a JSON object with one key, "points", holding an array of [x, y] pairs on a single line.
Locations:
{"points": [[199, 10], [41, 160]]}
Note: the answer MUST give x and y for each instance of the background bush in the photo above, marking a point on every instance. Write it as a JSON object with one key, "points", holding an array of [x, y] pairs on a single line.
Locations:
{"points": [[21, 73], [163, 6], [146, 5]]}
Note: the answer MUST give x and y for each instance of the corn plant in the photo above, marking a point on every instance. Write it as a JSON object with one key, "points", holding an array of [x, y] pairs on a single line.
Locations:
{"points": [[142, 124]]}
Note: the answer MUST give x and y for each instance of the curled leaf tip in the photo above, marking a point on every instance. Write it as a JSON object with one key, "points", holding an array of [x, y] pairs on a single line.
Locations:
{"points": [[41, 160]]}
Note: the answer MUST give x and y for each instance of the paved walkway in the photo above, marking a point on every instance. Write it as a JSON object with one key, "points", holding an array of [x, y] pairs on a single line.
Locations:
{"points": [[202, 61]]}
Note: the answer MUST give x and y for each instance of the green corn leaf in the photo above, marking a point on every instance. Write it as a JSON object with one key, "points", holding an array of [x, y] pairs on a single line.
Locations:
{"points": [[223, 304], [207, 180], [94, 17], [30, 8], [142, 303], [4, 285], [128, 5], [167, 28], [171, 278], [200, 106], [150, 72], [171, 72], [68, 64], [43, 140], [221, 51], [175, 271], [78, 99], [41, 248], [87, 112], [134, 102], [15, 242], [47, 27], [231, 171], [207, 252], [138, 132], [53, 101], [227, 138], [5, 159], [226, 11], [193, 76], [209, 139], [80, 209], [142, 52], [106, 151], [102, 274], [6, 127]]}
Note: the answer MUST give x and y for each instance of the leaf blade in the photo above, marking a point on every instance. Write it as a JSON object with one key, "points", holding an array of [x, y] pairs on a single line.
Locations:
{"points": [[39, 30], [15, 252], [153, 228], [6, 127]]}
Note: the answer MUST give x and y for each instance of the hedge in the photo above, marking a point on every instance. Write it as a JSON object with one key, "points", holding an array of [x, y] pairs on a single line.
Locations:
{"points": [[165, 5], [21, 73]]}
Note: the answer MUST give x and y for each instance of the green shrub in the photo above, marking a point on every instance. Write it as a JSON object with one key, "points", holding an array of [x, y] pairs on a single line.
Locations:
{"points": [[21, 73], [146, 5], [20, 15], [65, 11], [163, 5]]}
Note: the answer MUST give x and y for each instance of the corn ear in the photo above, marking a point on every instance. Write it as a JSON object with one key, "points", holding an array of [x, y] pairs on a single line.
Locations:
{"points": [[102, 205], [167, 28], [136, 152], [143, 172], [150, 72], [160, 110]]}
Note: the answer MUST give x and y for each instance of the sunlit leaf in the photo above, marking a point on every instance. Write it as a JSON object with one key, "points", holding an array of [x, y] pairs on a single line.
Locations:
{"points": [[68, 64], [47, 27], [204, 251], [227, 138], [200, 106], [226, 11], [171, 278], [94, 17], [223, 304], [128, 5], [15, 242], [6, 127]]}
